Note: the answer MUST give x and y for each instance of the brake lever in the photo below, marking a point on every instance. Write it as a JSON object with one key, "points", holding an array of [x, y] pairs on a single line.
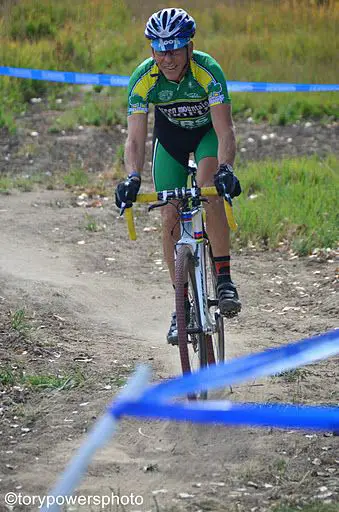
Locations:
{"points": [[122, 209], [228, 198], [157, 205], [124, 206]]}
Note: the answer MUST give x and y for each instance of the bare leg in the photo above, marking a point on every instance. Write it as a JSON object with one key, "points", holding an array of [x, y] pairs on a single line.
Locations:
{"points": [[216, 222], [219, 235], [170, 235]]}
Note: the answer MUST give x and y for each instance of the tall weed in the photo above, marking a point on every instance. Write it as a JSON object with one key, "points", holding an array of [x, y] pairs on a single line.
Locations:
{"points": [[290, 201], [261, 40]]}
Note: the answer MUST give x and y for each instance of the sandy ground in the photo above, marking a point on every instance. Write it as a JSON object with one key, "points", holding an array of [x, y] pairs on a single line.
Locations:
{"points": [[96, 304]]}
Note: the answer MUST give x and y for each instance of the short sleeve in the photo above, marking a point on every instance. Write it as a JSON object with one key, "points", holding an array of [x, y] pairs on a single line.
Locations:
{"points": [[209, 74], [137, 94]]}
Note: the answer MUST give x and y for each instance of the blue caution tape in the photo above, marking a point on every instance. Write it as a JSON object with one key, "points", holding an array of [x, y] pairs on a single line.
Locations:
{"points": [[265, 363], [122, 81], [141, 401], [102, 432], [280, 87], [151, 403], [226, 413], [66, 77]]}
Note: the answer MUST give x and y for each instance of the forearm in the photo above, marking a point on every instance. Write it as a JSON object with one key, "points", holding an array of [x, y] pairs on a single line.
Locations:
{"points": [[134, 156], [227, 146]]}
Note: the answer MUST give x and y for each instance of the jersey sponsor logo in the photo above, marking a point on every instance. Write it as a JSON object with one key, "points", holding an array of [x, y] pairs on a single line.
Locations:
{"points": [[215, 100], [135, 101], [215, 95], [192, 95], [214, 88], [133, 110], [191, 124], [182, 110], [165, 95]]}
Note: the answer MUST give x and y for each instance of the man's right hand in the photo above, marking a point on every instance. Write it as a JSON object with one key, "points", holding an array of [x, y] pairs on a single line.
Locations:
{"points": [[127, 191]]}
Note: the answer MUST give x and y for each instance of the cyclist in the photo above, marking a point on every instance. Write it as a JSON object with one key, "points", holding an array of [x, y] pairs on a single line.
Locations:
{"points": [[192, 115]]}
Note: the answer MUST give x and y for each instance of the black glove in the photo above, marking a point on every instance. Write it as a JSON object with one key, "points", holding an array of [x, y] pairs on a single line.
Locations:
{"points": [[226, 182], [127, 191]]}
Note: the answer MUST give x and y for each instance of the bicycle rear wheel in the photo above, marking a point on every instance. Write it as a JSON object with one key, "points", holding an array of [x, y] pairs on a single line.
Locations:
{"points": [[192, 340]]}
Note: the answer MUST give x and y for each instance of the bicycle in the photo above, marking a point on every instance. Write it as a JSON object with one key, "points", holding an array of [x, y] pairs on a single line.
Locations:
{"points": [[200, 327]]}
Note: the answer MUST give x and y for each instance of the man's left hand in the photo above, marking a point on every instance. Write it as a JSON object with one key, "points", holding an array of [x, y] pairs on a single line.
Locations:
{"points": [[226, 182]]}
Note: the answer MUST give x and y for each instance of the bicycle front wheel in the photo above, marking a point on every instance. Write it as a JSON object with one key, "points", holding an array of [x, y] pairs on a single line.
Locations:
{"points": [[192, 340], [217, 340]]}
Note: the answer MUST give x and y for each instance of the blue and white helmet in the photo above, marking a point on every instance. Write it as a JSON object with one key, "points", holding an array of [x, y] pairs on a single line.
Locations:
{"points": [[170, 29]]}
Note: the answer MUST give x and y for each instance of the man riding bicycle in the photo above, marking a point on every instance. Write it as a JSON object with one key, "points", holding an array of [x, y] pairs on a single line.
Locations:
{"points": [[192, 115]]}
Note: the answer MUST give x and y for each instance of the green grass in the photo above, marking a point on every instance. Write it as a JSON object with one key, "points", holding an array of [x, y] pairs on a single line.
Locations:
{"points": [[24, 183], [76, 178], [15, 377], [291, 376], [19, 322], [286, 108], [91, 223], [105, 109], [288, 41], [292, 201], [52, 381]]}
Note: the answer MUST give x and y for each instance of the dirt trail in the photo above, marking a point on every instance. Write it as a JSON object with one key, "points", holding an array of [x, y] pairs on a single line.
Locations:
{"points": [[115, 320], [97, 304]]}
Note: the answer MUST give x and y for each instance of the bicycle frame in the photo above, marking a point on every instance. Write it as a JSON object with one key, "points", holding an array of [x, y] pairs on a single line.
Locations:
{"points": [[192, 235]]}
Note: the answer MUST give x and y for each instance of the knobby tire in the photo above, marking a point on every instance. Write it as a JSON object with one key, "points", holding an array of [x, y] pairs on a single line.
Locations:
{"points": [[185, 272]]}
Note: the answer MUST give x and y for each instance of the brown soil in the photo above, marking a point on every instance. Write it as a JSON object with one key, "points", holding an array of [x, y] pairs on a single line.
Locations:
{"points": [[96, 308]]}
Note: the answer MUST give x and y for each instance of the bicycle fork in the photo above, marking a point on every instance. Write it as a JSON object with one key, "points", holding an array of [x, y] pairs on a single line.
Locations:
{"points": [[192, 235]]}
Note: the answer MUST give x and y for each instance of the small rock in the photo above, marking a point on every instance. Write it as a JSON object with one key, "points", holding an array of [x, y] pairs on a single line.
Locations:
{"points": [[58, 101], [150, 467], [289, 140], [160, 491], [34, 134], [316, 462], [185, 495], [264, 137], [150, 228], [250, 140]]}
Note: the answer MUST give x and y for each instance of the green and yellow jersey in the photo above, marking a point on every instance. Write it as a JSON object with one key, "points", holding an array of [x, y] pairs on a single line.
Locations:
{"points": [[186, 104]]}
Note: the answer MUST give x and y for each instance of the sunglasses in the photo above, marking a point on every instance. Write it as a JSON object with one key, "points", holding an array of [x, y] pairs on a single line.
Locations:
{"points": [[171, 53]]}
